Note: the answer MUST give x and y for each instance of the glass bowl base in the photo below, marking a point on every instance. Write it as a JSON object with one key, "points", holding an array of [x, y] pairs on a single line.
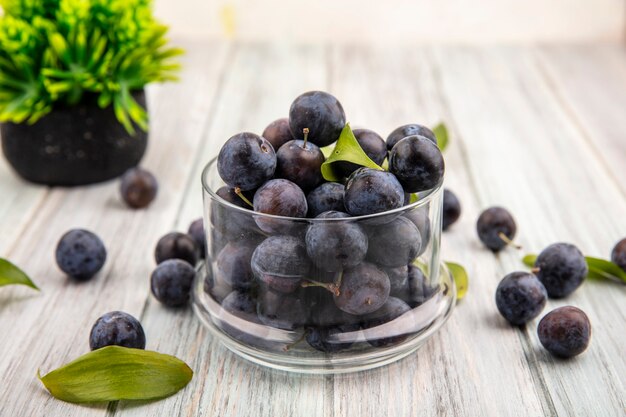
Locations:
{"points": [[428, 317]]}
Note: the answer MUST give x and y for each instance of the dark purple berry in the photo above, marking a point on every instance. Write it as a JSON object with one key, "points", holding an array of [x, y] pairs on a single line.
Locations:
{"points": [[176, 245], [451, 209], [233, 264], [417, 163], [336, 245], [279, 197], [277, 133], [119, 329], [282, 311], [393, 244], [232, 223], [171, 282], [138, 187], [363, 289], [562, 269], [409, 130], [565, 332], [520, 297], [370, 191], [399, 281], [420, 290], [299, 161], [319, 112], [391, 310], [80, 254], [196, 231], [326, 197], [496, 228], [246, 161], [281, 262], [618, 255], [419, 217]]}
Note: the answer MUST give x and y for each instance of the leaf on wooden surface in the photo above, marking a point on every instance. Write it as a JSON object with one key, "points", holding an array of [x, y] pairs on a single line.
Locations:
{"points": [[441, 134], [598, 268], [461, 279], [347, 149], [118, 373], [10, 274]]}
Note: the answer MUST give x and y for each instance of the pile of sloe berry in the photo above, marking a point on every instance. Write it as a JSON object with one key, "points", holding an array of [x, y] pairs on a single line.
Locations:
{"points": [[312, 265], [521, 296]]}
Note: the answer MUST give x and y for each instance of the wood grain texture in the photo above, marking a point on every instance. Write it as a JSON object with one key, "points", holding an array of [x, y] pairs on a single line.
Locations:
{"points": [[524, 152], [535, 130], [43, 331]]}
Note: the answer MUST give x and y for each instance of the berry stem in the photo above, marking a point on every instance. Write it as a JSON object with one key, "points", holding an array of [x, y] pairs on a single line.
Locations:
{"points": [[508, 241], [535, 270], [330, 287], [295, 342], [305, 132], [243, 197]]}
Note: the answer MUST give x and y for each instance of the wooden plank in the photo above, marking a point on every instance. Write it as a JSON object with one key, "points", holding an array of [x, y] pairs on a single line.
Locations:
{"points": [[45, 330], [590, 83], [258, 87], [459, 372], [524, 152]]}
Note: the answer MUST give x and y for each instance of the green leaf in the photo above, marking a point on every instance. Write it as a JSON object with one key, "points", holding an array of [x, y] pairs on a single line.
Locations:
{"points": [[461, 279], [598, 268], [441, 133], [605, 268], [11, 274], [529, 260], [118, 373], [346, 149]]}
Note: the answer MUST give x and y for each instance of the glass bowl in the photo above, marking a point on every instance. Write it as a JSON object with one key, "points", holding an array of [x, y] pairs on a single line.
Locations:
{"points": [[277, 296]]}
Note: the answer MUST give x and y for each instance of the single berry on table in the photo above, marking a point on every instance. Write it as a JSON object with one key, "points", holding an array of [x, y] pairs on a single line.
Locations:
{"points": [[409, 130], [371, 143], [496, 228], [176, 245], [334, 246], [364, 289], [618, 255], [393, 244], [277, 133], [196, 231], [80, 254], [119, 329], [370, 191], [520, 297], [565, 332], [246, 161], [281, 263], [417, 163], [299, 161], [138, 188], [327, 197], [171, 282], [451, 208], [561, 268], [319, 112]]}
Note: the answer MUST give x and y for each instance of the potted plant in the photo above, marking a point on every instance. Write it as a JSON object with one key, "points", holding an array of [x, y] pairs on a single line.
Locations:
{"points": [[72, 77]]}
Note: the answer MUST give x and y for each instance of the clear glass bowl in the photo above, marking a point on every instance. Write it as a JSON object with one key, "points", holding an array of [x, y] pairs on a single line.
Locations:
{"points": [[290, 320]]}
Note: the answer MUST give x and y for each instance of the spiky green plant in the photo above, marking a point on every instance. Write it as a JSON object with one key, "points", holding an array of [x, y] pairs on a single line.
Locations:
{"points": [[54, 52]]}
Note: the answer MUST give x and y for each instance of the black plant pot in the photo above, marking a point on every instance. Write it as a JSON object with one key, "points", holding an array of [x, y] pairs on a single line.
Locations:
{"points": [[77, 145]]}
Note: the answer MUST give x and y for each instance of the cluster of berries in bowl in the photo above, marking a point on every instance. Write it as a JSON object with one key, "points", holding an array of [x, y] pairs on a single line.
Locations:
{"points": [[297, 262]]}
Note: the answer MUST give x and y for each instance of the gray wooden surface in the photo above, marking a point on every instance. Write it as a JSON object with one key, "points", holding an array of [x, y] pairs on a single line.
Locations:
{"points": [[541, 131]]}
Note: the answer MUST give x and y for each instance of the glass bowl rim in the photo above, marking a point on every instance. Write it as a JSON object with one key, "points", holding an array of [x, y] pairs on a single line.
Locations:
{"points": [[424, 199]]}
